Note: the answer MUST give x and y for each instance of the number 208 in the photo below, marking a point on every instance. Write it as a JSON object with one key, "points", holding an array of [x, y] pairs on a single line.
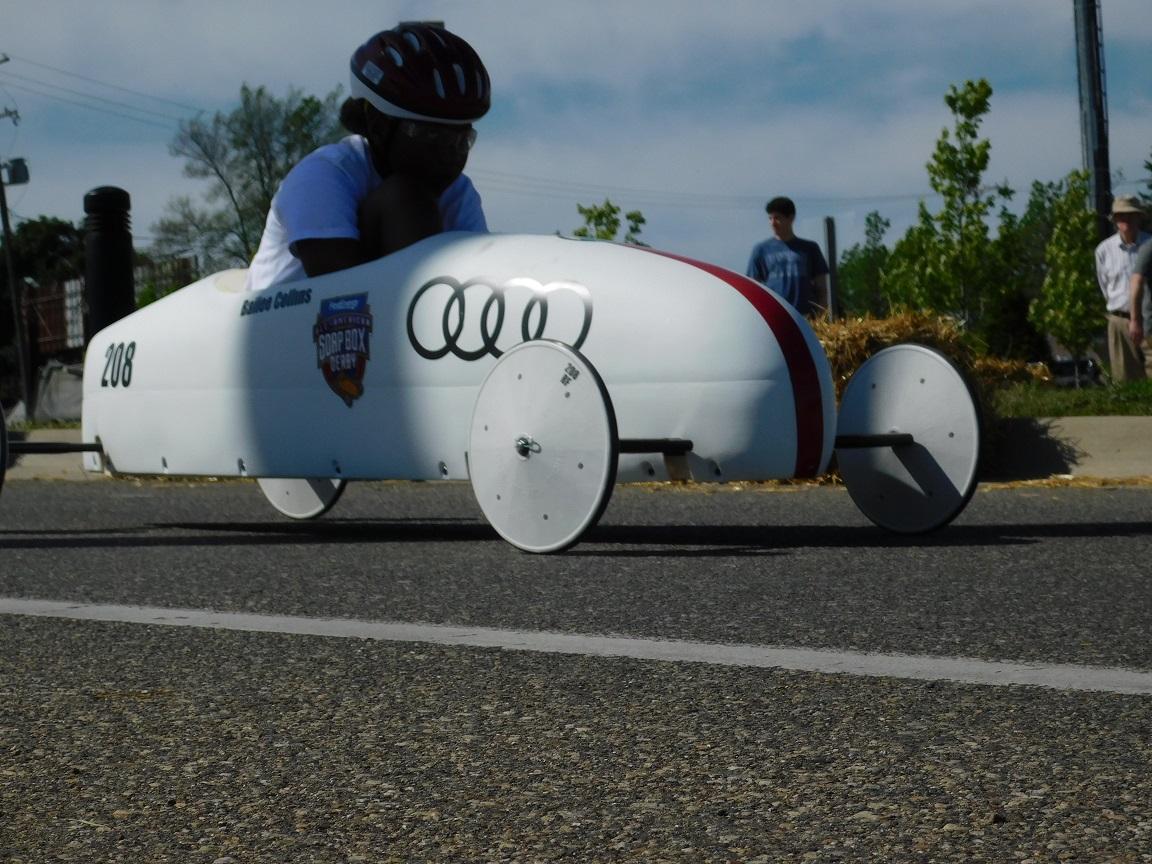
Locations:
{"points": [[118, 365]]}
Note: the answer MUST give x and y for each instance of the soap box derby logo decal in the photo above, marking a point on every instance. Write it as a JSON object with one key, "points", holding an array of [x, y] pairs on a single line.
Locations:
{"points": [[475, 338], [342, 344]]}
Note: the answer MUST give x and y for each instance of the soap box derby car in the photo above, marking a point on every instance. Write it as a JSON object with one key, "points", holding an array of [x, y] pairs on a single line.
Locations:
{"points": [[541, 369]]}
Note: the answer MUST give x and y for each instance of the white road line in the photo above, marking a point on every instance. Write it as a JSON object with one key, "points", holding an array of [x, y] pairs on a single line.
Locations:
{"points": [[921, 668]]}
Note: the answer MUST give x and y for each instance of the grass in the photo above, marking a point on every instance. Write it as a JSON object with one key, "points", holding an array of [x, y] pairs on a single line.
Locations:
{"points": [[30, 425], [1036, 399]]}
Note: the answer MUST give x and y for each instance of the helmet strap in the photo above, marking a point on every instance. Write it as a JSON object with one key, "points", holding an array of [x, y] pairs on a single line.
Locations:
{"points": [[381, 131]]}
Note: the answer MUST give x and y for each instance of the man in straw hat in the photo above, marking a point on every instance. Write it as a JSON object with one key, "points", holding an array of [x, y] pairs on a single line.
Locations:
{"points": [[1114, 266]]}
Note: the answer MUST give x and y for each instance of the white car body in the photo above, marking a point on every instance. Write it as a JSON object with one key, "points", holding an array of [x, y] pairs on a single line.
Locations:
{"points": [[372, 372]]}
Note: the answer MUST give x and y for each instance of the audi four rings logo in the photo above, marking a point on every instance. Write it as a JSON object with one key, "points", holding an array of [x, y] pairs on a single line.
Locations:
{"points": [[457, 335]]}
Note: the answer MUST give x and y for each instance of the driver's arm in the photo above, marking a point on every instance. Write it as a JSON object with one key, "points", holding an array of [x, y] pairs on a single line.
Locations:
{"points": [[327, 256]]}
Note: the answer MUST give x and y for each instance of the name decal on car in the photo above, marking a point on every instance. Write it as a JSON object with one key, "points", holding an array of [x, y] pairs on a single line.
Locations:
{"points": [[280, 300]]}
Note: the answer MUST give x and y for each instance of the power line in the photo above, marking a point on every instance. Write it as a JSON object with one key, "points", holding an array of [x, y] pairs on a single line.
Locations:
{"points": [[105, 83], [146, 115], [5, 75], [47, 95], [502, 182], [524, 185]]}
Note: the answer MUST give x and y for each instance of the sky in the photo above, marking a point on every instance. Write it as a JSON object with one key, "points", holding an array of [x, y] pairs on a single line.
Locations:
{"points": [[694, 113]]}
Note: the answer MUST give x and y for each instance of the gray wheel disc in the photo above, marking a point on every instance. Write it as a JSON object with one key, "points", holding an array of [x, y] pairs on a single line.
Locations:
{"points": [[910, 389], [302, 497]]}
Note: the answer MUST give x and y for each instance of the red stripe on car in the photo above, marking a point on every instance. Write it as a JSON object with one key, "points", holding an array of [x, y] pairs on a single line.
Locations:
{"points": [[806, 393]]}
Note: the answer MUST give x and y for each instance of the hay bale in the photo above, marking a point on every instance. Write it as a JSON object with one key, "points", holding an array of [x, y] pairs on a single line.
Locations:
{"points": [[850, 341]]}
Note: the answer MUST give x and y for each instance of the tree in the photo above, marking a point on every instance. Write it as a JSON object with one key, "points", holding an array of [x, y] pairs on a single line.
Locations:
{"points": [[860, 268], [1020, 252], [1147, 197], [243, 155], [946, 262], [1025, 239], [47, 249], [602, 222], [911, 278], [1069, 307], [44, 250]]}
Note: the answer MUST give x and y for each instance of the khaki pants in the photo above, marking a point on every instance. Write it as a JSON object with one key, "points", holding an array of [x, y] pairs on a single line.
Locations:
{"points": [[1128, 362]]}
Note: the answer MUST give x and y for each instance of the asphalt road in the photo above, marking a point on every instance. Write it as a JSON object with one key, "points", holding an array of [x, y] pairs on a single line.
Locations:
{"points": [[126, 742]]}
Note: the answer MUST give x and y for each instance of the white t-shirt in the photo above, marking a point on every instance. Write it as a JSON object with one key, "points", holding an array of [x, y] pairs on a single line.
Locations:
{"points": [[319, 200], [1114, 260]]}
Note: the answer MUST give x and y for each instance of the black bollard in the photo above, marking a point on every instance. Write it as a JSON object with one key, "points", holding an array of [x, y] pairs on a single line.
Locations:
{"points": [[109, 282]]}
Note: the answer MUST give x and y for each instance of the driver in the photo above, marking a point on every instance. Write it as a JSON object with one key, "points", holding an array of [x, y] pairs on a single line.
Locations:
{"points": [[416, 90]]}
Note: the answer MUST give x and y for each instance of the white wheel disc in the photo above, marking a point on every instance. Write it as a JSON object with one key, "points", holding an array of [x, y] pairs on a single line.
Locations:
{"points": [[923, 486], [302, 497], [542, 448]]}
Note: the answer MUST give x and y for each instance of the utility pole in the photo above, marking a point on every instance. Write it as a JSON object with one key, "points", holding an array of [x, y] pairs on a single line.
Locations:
{"points": [[835, 310], [1093, 109], [17, 173]]}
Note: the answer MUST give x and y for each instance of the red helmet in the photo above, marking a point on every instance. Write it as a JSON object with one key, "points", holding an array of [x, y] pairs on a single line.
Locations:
{"points": [[421, 72]]}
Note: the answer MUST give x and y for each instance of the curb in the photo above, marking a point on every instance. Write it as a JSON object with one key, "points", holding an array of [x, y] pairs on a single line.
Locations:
{"points": [[61, 466], [1069, 447]]}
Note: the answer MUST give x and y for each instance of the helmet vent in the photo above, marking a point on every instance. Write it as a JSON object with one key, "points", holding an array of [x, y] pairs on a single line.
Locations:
{"points": [[396, 56], [413, 40], [439, 83], [372, 72], [459, 70]]}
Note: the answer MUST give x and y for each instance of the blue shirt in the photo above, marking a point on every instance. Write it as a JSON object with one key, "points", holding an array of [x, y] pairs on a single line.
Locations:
{"points": [[788, 269]]}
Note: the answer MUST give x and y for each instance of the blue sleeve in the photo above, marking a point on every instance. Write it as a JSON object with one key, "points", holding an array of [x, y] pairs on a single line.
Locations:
{"points": [[319, 200], [460, 207]]}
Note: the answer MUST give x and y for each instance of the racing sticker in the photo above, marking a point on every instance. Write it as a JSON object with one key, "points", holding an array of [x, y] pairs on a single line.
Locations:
{"points": [[342, 344]]}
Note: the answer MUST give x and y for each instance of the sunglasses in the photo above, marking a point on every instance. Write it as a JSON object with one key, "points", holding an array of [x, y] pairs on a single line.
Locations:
{"points": [[454, 140]]}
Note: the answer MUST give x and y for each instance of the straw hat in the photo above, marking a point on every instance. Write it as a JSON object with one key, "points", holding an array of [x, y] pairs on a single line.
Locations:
{"points": [[1126, 204]]}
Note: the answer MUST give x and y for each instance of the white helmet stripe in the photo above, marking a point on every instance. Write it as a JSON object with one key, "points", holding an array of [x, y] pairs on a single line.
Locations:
{"points": [[360, 90]]}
